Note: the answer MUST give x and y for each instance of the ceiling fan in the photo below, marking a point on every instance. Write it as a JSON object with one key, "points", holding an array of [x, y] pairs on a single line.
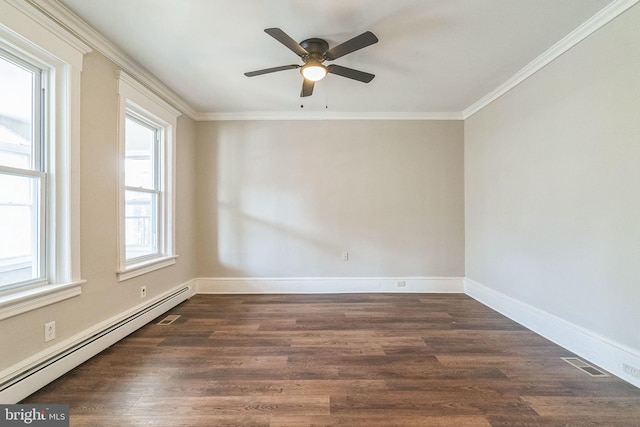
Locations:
{"points": [[314, 52]]}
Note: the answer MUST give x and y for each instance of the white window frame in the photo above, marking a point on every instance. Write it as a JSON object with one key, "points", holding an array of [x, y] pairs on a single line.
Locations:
{"points": [[37, 170], [136, 100], [157, 187], [32, 37]]}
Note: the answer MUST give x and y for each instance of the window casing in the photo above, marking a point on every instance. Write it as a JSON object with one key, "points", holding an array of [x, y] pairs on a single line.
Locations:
{"points": [[147, 140], [39, 162]]}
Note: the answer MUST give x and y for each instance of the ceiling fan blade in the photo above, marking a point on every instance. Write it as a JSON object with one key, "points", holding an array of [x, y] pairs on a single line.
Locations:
{"points": [[350, 73], [283, 38], [356, 43], [307, 88], [271, 70]]}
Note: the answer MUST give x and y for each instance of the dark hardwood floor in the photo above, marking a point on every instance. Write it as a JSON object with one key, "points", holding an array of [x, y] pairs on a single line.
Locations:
{"points": [[325, 360]]}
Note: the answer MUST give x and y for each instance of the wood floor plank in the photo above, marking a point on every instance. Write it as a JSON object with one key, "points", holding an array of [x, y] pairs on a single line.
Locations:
{"points": [[584, 406], [428, 404], [338, 360], [381, 421], [287, 387], [232, 405]]}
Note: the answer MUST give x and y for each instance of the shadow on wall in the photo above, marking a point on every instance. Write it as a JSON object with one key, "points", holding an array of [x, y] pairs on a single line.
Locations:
{"points": [[292, 206]]}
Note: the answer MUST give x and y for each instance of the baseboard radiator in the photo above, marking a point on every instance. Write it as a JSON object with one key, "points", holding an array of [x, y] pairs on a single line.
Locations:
{"points": [[31, 379]]}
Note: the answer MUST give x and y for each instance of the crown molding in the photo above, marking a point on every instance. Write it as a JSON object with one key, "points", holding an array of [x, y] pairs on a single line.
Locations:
{"points": [[35, 13], [324, 115], [606, 15], [82, 34], [65, 18]]}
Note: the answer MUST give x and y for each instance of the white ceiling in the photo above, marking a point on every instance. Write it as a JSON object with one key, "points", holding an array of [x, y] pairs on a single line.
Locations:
{"points": [[434, 56]]}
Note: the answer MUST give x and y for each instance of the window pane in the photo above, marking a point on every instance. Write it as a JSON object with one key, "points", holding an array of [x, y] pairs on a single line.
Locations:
{"points": [[16, 115], [141, 224], [140, 157], [19, 219]]}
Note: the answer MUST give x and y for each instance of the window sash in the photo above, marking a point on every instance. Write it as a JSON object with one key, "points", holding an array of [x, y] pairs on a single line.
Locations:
{"points": [[155, 152], [144, 231], [28, 269], [37, 124]]}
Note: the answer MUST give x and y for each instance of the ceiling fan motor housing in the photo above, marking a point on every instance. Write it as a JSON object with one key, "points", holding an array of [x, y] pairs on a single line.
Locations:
{"points": [[316, 48]]}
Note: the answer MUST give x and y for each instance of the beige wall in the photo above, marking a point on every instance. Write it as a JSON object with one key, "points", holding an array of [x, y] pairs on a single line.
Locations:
{"points": [[103, 296], [286, 198], [552, 186]]}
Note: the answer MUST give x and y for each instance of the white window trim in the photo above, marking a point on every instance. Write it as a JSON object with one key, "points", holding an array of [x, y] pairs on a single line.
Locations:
{"points": [[133, 96], [27, 33]]}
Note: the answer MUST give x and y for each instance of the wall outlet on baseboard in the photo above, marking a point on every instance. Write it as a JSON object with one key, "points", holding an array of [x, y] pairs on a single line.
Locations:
{"points": [[401, 284], [143, 291], [628, 369], [49, 331]]}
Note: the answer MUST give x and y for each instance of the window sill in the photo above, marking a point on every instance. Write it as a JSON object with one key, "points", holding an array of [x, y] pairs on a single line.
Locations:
{"points": [[145, 267], [19, 302]]}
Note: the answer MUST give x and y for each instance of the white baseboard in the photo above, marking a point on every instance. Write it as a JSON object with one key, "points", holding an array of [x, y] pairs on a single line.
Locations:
{"points": [[327, 285], [28, 376], [595, 348]]}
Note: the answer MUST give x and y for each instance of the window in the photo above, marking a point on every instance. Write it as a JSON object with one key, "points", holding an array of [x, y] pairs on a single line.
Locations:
{"points": [[143, 192], [23, 174], [147, 138], [40, 70]]}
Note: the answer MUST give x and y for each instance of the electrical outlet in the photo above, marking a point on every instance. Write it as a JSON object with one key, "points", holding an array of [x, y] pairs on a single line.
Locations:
{"points": [[401, 284], [49, 331], [143, 291], [631, 370]]}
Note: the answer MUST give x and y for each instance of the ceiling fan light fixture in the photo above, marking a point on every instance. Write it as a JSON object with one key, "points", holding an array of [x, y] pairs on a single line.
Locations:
{"points": [[314, 71]]}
